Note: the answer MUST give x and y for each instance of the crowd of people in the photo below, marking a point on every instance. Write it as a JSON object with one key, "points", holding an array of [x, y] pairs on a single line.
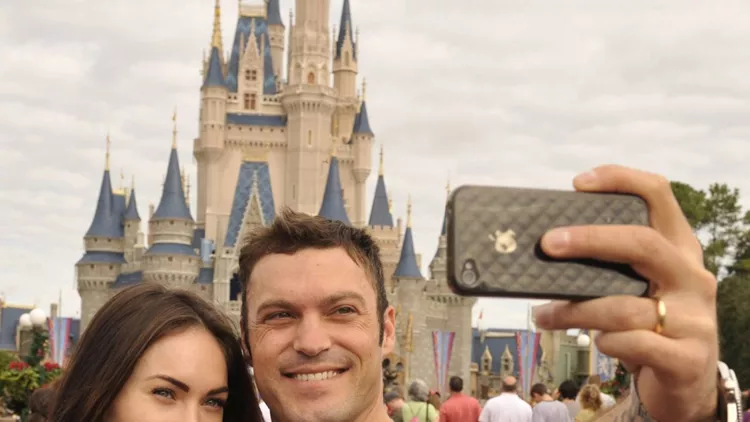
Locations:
{"points": [[568, 403], [315, 326]]}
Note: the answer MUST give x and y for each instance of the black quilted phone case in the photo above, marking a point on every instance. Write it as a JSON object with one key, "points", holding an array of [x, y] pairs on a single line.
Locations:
{"points": [[493, 243]]}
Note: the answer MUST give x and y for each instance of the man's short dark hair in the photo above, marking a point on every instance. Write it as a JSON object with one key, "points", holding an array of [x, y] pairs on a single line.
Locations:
{"points": [[292, 232], [539, 389], [510, 387], [568, 390], [456, 384]]}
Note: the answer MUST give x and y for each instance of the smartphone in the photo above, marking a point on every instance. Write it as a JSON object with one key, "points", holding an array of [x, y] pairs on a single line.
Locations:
{"points": [[493, 243]]}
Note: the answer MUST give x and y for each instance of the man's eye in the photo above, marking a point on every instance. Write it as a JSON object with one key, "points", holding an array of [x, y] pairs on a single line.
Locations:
{"points": [[344, 310], [278, 315]]}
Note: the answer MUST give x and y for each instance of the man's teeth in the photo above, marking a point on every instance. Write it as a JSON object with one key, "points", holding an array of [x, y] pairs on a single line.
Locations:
{"points": [[320, 376]]}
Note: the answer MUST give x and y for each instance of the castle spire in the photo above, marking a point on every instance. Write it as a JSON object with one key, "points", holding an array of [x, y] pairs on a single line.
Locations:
{"points": [[131, 213], [216, 41], [364, 89], [273, 12], [172, 204], [105, 222], [362, 121], [407, 264], [381, 213], [106, 154], [346, 29], [174, 129], [332, 206]]}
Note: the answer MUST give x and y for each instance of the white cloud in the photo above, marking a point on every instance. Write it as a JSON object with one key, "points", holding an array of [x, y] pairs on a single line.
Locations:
{"points": [[494, 92]]}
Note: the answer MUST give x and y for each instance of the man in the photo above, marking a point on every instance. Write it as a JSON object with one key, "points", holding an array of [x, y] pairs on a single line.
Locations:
{"points": [[314, 301], [567, 393], [546, 408], [506, 407], [459, 407], [394, 402], [316, 320]]}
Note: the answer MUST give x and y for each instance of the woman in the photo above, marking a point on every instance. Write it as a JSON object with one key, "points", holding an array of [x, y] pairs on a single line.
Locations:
{"points": [[154, 354], [591, 402], [418, 408]]}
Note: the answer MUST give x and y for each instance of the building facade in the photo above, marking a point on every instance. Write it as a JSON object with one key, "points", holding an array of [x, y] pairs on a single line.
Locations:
{"points": [[274, 136]]}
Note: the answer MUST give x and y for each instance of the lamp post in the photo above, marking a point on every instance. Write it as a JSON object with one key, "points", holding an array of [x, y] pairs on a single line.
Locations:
{"points": [[32, 325]]}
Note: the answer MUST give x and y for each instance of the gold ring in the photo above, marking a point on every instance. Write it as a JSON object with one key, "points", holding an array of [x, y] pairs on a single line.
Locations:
{"points": [[661, 312]]}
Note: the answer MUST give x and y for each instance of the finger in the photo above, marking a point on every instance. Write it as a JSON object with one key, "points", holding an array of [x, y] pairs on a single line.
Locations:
{"points": [[667, 357], [649, 253], [665, 213], [619, 313]]}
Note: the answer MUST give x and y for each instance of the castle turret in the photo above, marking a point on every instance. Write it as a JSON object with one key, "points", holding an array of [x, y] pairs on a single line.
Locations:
{"points": [[345, 59], [408, 268], [133, 236], [333, 207], [361, 141], [171, 259], [276, 31], [382, 228], [208, 147], [102, 262]]}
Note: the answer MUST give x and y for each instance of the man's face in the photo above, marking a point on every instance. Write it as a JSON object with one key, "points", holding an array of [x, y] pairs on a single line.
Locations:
{"points": [[314, 336]]}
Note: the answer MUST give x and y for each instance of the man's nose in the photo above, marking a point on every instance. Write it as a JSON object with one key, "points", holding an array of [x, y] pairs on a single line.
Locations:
{"points": [[312, 337]]}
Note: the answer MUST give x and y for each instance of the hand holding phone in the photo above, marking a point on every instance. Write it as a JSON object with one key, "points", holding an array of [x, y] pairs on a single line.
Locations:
{"points": [[493, 246]]}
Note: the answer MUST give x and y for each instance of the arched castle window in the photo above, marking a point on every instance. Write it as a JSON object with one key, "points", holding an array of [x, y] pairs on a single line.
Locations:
{"points": [[251, 75], [253, 99], [309, 138], [311, 78], [247, 101]]}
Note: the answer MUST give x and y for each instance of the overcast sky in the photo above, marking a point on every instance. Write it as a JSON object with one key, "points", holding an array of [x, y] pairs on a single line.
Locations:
{"points": [[505, 92]]}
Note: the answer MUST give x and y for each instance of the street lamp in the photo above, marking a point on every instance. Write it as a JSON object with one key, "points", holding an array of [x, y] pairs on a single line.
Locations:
{"points": [[583, 340], [25, 321], [31, 324], [38, 317]]}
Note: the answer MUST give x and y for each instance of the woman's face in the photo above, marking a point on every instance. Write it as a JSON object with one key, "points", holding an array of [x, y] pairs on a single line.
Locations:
{"points": [[180, 378]]}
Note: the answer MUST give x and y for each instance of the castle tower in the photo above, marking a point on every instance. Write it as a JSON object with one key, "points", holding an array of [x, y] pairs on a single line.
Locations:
{"points": [[383, 230], [133, 236], [209, 146], [104, 245], [250, 74], [361, 141], [458, 307], [345, 68], [171, 259], [309, 102], [276, 31], [410, 288], [332, 206]]}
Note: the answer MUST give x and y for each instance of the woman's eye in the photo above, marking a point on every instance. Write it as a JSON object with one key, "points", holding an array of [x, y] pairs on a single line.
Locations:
{"points": [[163, 392], [218, 403]]}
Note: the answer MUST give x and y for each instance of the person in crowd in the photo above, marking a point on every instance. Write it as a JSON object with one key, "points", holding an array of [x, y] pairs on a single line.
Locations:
{"points": [[567, 393], [459, 407], [317, 324], [591, 403], [434, 399], [157, 354], [546, 408], [507, 406], [40, 404], [608, 401], [394, 402], [746, 415], [417, 407]]}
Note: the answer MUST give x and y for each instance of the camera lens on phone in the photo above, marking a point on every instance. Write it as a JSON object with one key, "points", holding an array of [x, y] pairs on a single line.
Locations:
{"points": [[469, 275]]}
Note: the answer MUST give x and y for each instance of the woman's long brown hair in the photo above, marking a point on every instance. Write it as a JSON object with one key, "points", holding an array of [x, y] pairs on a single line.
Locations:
{"points": [[123, 329]]}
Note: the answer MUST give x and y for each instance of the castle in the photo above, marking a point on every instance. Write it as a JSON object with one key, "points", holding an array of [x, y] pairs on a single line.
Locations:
{"points": [[272, 137]]}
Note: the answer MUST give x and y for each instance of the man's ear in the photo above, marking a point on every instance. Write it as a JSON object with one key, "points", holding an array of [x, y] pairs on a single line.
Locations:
{"points": [[389, 331]]}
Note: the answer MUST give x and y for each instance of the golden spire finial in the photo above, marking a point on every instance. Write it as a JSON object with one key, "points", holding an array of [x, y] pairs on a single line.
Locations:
{"points": [[390, 205], [448, 186], [106, 154], [408, 212], [174, 129], [364, 89], [216, 36], [122, 179], [382, 167]]}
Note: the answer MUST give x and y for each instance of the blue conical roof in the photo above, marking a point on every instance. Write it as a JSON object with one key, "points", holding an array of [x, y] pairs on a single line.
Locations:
{"points": [[362, 122], [274, 13], [444, 230], [345, 24], [106, 223], [407, 266], [332, 206], [173, 204], [380, 214], [131, 213], [214, 75]]}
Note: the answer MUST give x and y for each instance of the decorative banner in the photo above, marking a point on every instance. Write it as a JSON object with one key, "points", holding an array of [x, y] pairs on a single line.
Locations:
{"points": [[59, 338], [599, 363], [527, 345], [442, 346]]}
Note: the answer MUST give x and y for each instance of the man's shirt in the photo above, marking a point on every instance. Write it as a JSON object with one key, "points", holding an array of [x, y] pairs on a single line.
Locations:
{"points": [[507, 407], [460, 408]]}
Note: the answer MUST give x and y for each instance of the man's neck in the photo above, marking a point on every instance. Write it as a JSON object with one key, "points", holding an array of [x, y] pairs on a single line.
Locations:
{"points": [[456, 394]]}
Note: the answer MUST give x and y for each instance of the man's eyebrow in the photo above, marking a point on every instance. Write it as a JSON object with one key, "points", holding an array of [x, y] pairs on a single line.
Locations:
{"points": [[327, 301]]}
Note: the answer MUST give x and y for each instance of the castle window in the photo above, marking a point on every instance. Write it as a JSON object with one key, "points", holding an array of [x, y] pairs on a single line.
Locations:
{"points": [[311, 78], [247, 101], [309, 138], [169, 259], [252, 101], [253, 75]]}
